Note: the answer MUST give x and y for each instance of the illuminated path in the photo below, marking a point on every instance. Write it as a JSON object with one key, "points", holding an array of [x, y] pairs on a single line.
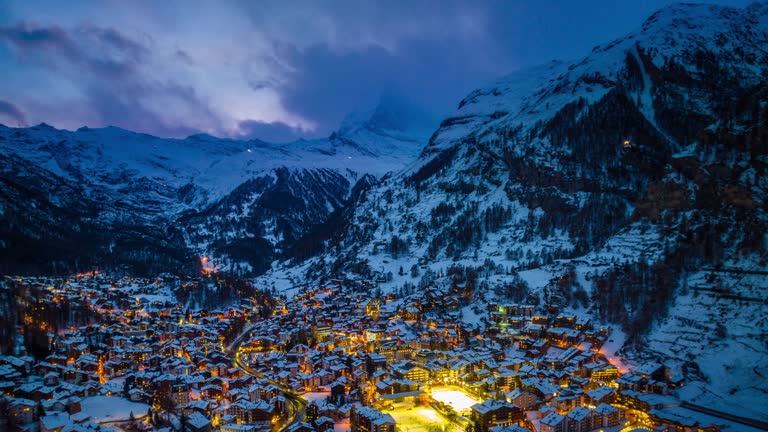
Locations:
{"points": [[297, 406]]}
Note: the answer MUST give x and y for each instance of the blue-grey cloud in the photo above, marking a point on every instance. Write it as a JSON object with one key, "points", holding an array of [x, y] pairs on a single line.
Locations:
{"points": [[275, 68], [31, 39], [106, 67], [276, 132], [325, 85], [184, 57], [11, 115], [102, 51]]}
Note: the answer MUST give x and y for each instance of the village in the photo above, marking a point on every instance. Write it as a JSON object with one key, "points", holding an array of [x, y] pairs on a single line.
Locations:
{"points": [[342, 356]]}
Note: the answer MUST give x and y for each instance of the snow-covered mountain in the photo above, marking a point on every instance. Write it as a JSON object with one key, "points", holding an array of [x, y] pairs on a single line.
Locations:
{"points": [[629, 185], [667, 123], [607, 184], [196, 196]]}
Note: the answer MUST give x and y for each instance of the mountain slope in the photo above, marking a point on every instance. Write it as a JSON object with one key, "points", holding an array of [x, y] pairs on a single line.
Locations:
{"points": [[605, 183], [629, 185], [548, 145], [242, 202]]}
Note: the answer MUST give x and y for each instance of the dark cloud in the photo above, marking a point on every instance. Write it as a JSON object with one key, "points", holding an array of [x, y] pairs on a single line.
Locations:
{"points": [[345, 24], [325, 85], [267, 72], [30, 39], [184, 57], [117, 41], [157, 67], [126, 104], [437, 57], [276, 132], [106, 65], [11, 115], [102, 51]]}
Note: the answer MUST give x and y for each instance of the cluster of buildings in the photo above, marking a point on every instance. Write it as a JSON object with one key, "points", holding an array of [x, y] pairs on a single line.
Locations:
{"points": [[171, 361], [528, 367], [331, 357]]}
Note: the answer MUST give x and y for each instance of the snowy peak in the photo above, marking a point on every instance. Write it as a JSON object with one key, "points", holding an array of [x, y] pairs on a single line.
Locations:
{"points": [[393, 114], [243, 203], [651, 148], [395, 129], [217, 165], [676, 46], [644, 157], [705, 19]]}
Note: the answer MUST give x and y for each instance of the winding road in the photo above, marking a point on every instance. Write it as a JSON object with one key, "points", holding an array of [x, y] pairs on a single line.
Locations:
{"points": [[297, 406]]}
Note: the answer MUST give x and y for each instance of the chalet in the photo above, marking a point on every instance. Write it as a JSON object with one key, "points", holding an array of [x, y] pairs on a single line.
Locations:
{"points": [[579, 419], [553, 422], [323, 424], [568, 399], [507, 379], [375, 362], [251, 412], [197, 422], [54, 422], [522, 398], [599, 395], [22, 411], [654, 371], [364, 419], [630, 381], [234, 427], [493, 413], [601, 371], [413, 372], [300, 427], [608, 416]]}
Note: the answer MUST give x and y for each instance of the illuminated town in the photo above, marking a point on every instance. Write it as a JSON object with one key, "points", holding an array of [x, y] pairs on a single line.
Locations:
{"points": [[101, 353], [384, 216]]}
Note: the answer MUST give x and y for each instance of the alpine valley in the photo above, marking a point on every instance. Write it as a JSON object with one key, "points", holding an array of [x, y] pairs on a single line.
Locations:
{"points": [[628, 185], [116, 199]]}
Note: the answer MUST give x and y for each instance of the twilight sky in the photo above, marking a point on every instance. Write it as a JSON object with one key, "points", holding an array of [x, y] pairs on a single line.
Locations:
{"points": [[276, 69]]}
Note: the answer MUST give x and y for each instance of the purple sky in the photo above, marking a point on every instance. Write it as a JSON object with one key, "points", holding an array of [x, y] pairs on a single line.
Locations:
{"points": [[276, 69]]}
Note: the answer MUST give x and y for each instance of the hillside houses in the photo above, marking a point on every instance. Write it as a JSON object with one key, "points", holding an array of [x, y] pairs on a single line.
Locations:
{"points": [[362, 357]]}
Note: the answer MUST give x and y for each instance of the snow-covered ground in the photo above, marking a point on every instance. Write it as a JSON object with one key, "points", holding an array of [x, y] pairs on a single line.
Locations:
{"points": [[316, 396], [610, 350], [454, 397], [114, 158], [722, 333], [110, 409], [417, 419]]}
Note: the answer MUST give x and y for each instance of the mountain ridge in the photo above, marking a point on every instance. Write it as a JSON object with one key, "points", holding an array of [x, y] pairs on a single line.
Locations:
{"points": [[129, 179], [604, 186], [615, 186]]}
